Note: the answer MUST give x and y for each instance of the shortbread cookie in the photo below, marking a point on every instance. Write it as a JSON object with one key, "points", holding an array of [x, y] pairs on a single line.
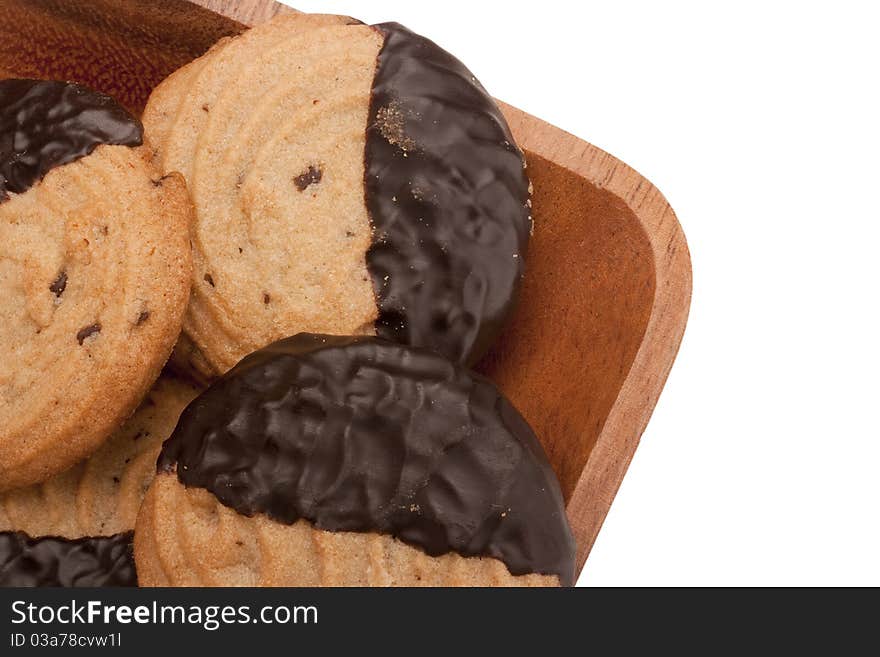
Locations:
{"points": [[347, 179], [101, 495], [352, 461], [95, 265], [100, 561]]}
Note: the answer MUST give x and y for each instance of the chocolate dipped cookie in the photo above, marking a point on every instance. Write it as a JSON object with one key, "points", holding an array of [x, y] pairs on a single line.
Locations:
{"points": [[346, 461], [347, 179], [95, 267]]}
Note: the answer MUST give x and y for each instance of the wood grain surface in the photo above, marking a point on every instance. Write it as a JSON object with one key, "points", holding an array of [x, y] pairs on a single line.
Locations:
{"points": [[608, 282], [623, 329], [121, 47]]}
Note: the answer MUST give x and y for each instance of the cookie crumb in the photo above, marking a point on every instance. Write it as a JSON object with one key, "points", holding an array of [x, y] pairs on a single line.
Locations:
{"points": [[58, 285], [309, 177], [391, 123], [86, 332]]}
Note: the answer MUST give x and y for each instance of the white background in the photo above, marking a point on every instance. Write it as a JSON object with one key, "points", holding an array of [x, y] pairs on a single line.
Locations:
{"points": [[759, 122]]}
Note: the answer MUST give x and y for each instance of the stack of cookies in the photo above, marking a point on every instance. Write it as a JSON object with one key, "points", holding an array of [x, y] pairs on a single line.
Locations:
{"points": [[319, 226]]}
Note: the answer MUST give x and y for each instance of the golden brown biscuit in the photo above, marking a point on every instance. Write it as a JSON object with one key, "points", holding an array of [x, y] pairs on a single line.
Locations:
{"points": [[95, 264], [347, 179], [101, 495], [262, 262]]}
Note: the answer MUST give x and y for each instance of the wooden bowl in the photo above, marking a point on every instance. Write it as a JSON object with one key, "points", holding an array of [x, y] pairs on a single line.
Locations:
{"points": [[608, 282]]}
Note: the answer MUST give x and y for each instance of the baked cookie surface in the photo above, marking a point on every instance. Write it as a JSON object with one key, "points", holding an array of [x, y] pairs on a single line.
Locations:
{"points": [[209, 544], [348, 461], [95, 268], [101, 495], [347, 179]]}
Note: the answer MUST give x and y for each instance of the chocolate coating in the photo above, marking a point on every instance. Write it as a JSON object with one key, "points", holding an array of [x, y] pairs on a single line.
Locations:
{"points": [[44, 124], [51, 561], [448, 197], [361, 434]]}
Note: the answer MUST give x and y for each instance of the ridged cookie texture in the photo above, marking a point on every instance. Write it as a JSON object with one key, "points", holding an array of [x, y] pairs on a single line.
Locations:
{"points": [[352, 460], [186, 537], [347, 179], [84, 562], [95, 268], [276, 250], [101, 496]]}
